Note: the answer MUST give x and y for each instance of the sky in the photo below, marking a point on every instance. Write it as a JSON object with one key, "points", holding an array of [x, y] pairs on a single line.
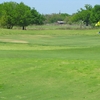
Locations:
{"points": [[56, 6]]}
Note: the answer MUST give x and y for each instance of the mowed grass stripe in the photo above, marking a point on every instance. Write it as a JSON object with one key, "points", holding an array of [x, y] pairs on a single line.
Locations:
{"points": [[74, 53]]}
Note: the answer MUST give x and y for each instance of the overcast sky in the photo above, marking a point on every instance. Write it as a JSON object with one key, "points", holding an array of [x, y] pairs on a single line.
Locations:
{"points": [[56, 6]]}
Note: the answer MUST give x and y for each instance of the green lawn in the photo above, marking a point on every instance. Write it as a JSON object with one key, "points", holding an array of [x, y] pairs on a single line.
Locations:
{"points": [[49, 65]]}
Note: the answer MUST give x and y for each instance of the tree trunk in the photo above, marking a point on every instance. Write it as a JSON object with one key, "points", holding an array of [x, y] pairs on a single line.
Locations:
{"points": [[23, 28], [87, 23]]}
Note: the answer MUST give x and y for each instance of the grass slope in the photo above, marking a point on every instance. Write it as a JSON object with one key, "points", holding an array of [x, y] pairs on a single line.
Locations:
{"points": [[49, 65]]}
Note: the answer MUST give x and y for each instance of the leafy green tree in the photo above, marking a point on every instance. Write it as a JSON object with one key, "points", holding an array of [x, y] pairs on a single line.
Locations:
{"points": [[95, 14], [36, 17], [23, 14], [7, 17], [83, 14], [1, 16]]}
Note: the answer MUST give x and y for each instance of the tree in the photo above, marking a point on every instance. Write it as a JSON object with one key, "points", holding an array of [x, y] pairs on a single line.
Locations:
{"points": [[23, 14], [36, 17], [83, 15], [7, 17], [95, 14]]}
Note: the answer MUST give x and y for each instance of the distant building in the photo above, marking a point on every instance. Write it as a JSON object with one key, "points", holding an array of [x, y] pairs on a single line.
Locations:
{"points": [[61, 22]]}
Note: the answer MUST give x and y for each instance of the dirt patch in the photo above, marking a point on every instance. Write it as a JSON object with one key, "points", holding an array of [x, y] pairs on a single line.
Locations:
{"points": [[13, 41]]}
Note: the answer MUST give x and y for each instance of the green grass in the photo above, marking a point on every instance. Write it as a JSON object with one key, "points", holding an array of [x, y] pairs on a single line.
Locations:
{"points": [[49, 65]]}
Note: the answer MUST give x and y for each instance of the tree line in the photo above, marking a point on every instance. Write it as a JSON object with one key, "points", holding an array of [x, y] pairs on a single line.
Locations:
{"points": [[18, 14], [88, 16]]}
